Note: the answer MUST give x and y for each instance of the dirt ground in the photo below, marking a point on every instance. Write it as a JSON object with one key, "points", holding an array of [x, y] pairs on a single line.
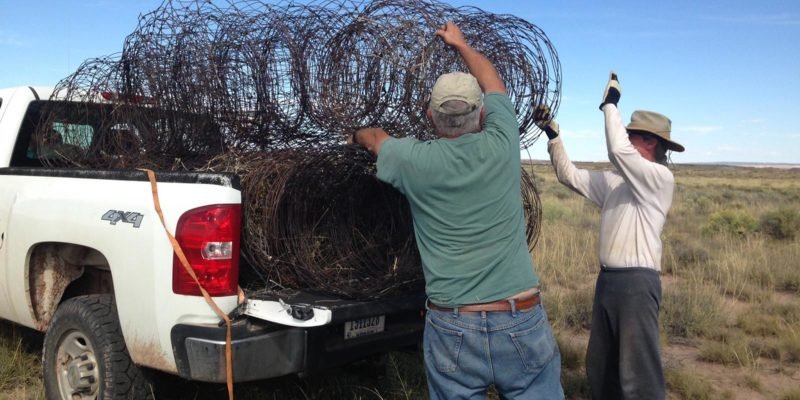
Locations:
{"points": [[769, 379], [734, 383]]}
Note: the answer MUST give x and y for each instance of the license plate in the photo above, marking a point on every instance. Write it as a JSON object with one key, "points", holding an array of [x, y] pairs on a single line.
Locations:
{"points": [[364, 326]]}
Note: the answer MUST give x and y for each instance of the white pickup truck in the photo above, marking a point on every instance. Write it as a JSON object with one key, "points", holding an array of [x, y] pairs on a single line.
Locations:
{"points": [[85, 259]]}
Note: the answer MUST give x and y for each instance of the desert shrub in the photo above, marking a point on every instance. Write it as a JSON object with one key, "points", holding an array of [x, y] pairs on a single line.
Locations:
{"points": [[18, 368], [575, 384], [691, 311], [731, 221], [561, 192], [680, 253], [767, 348], [20, 362], [781, 224], [752, 382], [691, 255], [726, 193], [789, 280], [700, 202], [405, 375], [565, 258], [763, 278], [757, 323], [789, 312], [735, 350], [573, 310], [791, 394], [790, 347], [726, 353], [742, 290], [739, 268], [572, 354], [783, 256], [779, 321], [552, 212], [688, 384]]}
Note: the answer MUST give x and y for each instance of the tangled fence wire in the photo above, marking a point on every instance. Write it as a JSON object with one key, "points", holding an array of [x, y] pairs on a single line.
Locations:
{"points": [[350, 234], [270, 90]]}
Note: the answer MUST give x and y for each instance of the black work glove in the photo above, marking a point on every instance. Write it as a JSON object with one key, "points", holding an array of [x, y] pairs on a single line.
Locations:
{"points": [[544, 120], [612, 92]]}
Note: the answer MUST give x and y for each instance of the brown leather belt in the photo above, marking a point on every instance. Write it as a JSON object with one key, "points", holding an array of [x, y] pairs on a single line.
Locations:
{"points": [[499, 305]]}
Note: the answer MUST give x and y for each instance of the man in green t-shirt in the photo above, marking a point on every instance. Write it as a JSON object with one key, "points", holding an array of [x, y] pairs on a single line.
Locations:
{"points": [[485, 325]]}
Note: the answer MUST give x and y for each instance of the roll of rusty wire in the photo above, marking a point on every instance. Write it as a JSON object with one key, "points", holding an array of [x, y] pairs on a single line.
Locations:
{"points": [[279, 85], [350, 234], [290, 75], [532, 205]]}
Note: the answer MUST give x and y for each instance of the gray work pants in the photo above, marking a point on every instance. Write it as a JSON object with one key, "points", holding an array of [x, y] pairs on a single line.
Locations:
{"points": [[623, 360]]}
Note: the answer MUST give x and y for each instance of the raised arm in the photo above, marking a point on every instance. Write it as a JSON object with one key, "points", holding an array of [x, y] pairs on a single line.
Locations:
{"points": [[591, 185], [646, 178], [479, 66]]}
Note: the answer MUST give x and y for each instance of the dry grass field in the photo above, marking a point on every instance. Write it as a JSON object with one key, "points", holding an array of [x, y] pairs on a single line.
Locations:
{"points": [[730, 314], [731, 278]]}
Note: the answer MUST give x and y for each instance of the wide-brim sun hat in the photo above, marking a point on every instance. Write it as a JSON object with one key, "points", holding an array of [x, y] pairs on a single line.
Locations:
{"points": [[656, 124]]}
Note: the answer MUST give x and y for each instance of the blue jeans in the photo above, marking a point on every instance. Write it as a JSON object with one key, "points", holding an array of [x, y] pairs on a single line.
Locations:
{"points": [[465, 352]]}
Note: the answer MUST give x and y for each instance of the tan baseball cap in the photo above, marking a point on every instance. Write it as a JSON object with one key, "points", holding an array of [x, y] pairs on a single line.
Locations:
{"points": [[654, 123], [456, 86]]}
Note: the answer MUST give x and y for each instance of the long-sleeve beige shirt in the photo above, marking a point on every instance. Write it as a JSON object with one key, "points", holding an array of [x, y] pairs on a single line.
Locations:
{"points": [[634, 196]]}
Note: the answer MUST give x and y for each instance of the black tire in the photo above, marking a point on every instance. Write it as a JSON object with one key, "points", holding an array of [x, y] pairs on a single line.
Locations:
{"points": [[84, 354]]}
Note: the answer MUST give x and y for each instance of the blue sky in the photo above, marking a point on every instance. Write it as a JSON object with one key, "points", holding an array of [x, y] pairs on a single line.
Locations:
{"points": [[726, 72]]}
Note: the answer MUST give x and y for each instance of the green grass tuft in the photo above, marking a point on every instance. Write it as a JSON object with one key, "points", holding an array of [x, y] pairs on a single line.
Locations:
{"points": [[688, 384]]}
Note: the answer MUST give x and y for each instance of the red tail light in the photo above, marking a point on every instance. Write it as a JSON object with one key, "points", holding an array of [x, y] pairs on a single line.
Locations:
{"points": [[209, 237]]}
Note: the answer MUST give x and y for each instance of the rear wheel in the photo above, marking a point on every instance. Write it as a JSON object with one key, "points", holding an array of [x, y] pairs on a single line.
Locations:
{"points": [[85, 356]]}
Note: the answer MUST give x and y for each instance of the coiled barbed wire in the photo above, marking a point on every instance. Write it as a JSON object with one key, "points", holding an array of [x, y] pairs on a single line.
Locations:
{"points": [[348, 234], [276, 87], [288, 75]]}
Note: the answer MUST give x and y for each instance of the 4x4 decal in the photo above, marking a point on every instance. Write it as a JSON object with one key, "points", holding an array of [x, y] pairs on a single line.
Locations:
{"points": [[130, 217]]}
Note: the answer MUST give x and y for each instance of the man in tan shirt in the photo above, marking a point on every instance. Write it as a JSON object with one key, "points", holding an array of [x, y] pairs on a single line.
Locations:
{"points": [[623, 358]]}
